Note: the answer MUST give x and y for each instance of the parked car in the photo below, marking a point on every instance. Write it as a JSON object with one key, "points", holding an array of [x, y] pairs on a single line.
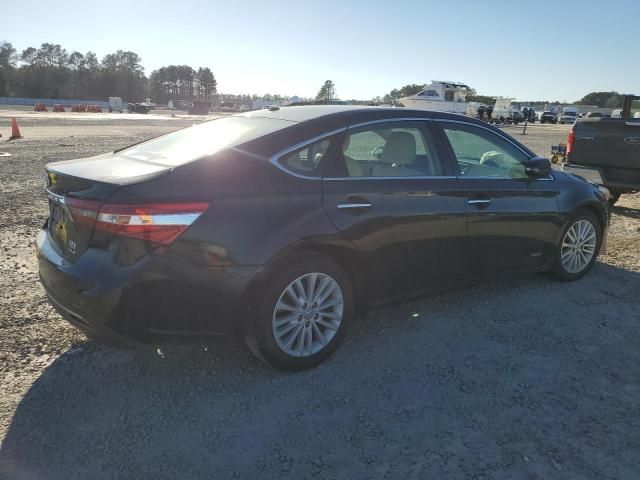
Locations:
{"points": [[548, 116], [593, 115], [568, 117], [279, 225], [516, 117], [606, 152]]}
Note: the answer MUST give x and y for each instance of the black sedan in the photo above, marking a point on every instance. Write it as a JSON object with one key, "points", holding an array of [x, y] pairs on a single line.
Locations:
{"points": [[280, 225]]}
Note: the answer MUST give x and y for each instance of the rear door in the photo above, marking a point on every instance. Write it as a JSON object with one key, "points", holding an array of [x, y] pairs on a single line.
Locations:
{"points": [[391, 194], [512, 219]]}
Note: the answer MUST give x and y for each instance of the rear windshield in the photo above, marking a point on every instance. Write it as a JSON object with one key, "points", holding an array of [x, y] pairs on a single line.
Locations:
{"points": [[191, 143]]}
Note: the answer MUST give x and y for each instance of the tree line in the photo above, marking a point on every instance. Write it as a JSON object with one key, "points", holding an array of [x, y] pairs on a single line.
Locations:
{"points": [[50, 71]]}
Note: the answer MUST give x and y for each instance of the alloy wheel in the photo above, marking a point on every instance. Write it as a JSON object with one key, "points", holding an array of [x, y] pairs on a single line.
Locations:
{"points": [[578, 246], [308, 314]]}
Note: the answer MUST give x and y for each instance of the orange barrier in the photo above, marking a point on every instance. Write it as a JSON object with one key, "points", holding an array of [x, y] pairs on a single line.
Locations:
{"points": [[58, 108], [15, 131], [40, 107]]}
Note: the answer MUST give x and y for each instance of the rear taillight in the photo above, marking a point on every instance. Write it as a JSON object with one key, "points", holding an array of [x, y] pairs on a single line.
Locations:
{"points": [[570, 140], [159, 223], [83, 211]]}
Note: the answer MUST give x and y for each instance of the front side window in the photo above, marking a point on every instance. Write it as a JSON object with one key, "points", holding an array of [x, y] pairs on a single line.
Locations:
{"points": [[388, 150], [481, 153]]}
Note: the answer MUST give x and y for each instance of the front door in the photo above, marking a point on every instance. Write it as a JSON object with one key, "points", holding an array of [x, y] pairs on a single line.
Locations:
{"points": [[389, 192], [512, 218]]}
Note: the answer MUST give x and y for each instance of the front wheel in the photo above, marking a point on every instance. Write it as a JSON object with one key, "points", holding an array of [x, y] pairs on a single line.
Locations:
{"points": [[578, 247], [303, 316]]}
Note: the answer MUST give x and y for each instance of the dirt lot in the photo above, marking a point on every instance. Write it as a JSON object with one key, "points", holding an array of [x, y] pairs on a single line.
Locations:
{"points": [[525, 378]]}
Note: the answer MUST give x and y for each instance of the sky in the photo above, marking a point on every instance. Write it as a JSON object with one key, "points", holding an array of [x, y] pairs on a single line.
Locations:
{"points": [[527, 50]]}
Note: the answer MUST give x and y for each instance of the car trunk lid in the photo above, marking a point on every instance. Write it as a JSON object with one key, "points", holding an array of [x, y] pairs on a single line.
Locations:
{"points": [[77, 190]]}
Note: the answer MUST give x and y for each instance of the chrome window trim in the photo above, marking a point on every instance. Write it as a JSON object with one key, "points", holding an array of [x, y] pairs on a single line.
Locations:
{"points": [[275, 159], [462, 177], [388, 120], [421, 177]]}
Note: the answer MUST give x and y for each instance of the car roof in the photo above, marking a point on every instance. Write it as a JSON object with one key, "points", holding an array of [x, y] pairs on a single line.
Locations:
{"points": [[314, 112]]}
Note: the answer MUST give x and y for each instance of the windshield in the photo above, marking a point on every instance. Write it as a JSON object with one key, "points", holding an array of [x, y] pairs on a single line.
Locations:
{"points": [[204, 139], [570, 114]]}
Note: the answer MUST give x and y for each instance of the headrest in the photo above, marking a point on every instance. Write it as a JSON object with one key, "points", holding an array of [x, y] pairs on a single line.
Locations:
{"points": [[399, 149]]}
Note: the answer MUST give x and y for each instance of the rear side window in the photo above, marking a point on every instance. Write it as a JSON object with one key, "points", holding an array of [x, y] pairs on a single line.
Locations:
{"points": [[207, 138], [306, 161]]}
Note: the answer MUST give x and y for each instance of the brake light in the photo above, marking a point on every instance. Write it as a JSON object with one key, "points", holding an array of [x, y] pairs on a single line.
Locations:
{"points": [[159, 223], [83, 211], [570, 140]]}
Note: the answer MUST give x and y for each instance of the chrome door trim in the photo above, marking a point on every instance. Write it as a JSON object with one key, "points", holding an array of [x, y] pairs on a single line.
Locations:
{"points": [[353, 205], [425, 177]]}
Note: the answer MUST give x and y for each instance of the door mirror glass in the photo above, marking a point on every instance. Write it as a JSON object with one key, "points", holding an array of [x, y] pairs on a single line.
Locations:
{"points": [[537, 167]]}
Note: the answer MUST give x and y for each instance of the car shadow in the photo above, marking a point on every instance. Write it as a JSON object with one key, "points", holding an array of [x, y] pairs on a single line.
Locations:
{"points": [[626, 212], [98, 412]]}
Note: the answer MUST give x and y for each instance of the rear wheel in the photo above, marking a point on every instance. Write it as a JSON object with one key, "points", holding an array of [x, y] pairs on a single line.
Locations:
{"points": [[578, 247], [303, 315]]}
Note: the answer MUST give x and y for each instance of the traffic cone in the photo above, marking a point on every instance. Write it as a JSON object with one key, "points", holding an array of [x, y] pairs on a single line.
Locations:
{"points": [[15, 131]]}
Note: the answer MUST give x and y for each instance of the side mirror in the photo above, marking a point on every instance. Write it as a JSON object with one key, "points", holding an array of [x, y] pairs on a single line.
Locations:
{"points": [[537, 167]]}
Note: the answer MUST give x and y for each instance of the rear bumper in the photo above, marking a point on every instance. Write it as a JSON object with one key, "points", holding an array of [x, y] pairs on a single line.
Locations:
{"points": [[161, 298]]}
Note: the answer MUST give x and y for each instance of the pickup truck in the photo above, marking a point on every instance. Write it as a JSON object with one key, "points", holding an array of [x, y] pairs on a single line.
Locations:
{"points": [[606, 151]]}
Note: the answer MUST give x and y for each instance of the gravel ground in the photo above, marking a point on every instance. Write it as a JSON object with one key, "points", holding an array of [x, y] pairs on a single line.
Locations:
{"points": [[525, 378]]}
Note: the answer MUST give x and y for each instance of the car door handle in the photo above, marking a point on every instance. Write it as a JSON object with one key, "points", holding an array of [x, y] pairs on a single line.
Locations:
{"points": [[479, 201], [353, 205]]}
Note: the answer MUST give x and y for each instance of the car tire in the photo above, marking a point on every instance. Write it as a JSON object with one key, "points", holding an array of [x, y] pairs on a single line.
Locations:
{"points": [[581, 226], [309, 326], [615, 196]]}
